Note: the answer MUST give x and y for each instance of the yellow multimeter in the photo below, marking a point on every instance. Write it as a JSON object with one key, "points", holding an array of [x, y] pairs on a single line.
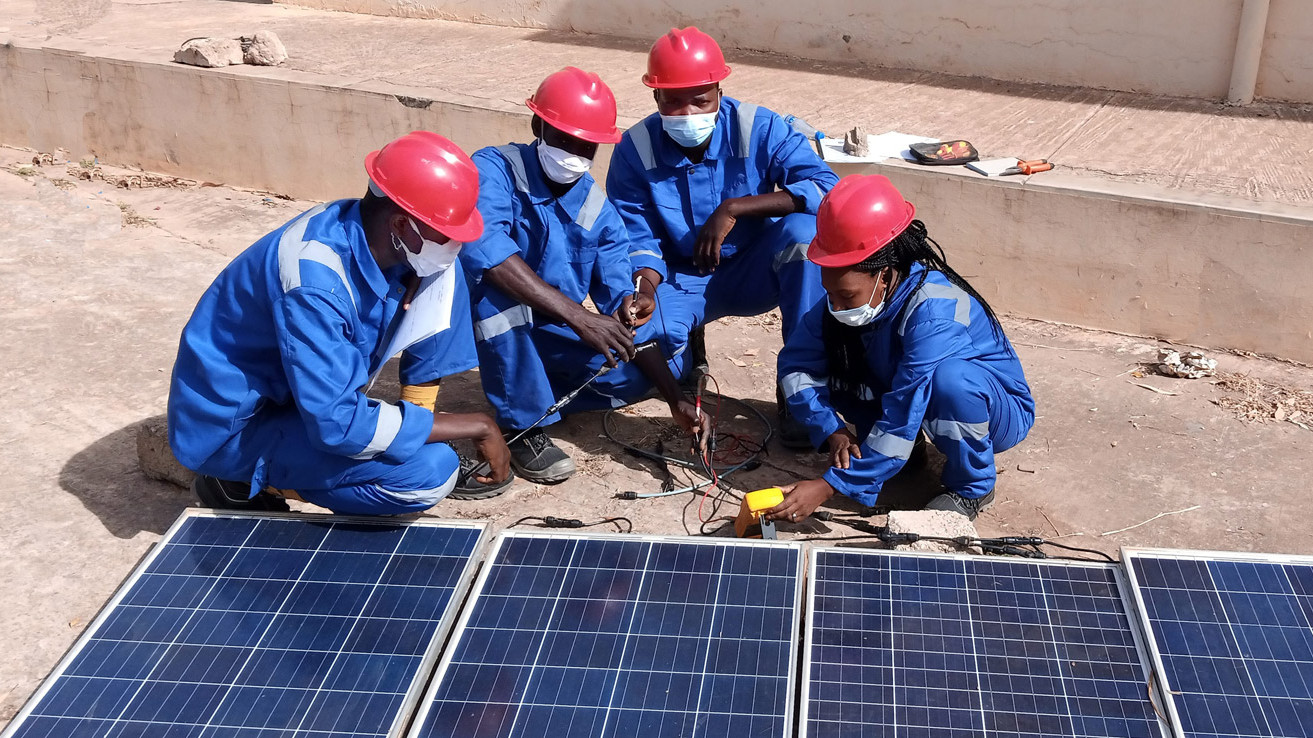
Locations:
{"points": [[749, 523]]}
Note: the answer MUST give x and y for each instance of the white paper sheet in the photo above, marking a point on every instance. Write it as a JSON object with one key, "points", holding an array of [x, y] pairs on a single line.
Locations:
{"points": [[889, 145]]}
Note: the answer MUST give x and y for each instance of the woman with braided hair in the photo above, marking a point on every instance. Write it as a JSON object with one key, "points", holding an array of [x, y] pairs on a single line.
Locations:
{"points": [[902, 344]]}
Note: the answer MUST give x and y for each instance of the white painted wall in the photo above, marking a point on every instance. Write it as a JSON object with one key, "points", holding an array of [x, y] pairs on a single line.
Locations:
{"points": [[1169, 47]]}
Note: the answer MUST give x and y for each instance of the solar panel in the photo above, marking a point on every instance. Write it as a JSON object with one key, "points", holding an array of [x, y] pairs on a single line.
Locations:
{"points": [[1231, 639], [261, 625], [919, 645], [605, 636]]}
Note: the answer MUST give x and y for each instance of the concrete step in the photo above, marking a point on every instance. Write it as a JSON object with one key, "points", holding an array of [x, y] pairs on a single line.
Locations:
{"points": [[1167, 217]]}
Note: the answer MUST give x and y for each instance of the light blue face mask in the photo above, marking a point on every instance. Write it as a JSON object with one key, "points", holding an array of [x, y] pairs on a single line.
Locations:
{"points": [[860, 315], [689, 130]]}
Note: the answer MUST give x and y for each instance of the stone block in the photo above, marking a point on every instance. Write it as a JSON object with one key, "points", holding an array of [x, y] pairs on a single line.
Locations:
{"points": [[156, 458], [939, 523], [264, 49], [210, 52]]}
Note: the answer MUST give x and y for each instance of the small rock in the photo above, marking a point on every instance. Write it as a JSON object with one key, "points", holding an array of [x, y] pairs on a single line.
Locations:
{"points": [[210, 52], [938, 523], [154, 455], [264, 49]]}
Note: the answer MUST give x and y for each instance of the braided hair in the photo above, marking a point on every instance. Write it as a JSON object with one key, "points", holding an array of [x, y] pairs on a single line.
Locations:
{"points": [[844, 349]]}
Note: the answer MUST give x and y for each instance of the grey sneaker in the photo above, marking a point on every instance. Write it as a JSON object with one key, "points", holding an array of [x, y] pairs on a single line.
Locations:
{"points": [[469, 488], [968, 506], [537, 459], [221, 494]]}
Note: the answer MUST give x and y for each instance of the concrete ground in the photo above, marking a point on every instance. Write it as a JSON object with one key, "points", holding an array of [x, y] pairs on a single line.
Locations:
{"points": [[96, 281], [1249, 153]]}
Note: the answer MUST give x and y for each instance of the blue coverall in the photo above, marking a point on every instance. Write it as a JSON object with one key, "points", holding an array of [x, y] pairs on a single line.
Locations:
{"points": [[665, 199], [936, 362], [575, 243], [269, 385]]}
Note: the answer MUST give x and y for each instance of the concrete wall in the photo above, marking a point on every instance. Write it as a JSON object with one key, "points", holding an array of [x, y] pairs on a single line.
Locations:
{"points": [[1224, 274], [1156, 265], [1170, 47], [262, 128], [1287, 64]]}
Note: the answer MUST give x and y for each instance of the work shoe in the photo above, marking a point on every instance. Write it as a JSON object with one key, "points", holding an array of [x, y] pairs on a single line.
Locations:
{"points": [[968, 506], [793, 435], [221, 494], [538, 460], [469, 488], [697, 359]]}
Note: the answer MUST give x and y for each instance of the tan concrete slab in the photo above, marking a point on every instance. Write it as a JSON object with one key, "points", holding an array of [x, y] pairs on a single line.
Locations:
{"points": [[1259, 153]]}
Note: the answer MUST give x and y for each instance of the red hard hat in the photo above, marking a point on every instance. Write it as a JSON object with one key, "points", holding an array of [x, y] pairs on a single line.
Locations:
{"points": [[433, 180], [856, 219], [685, 57], [577, 103]]}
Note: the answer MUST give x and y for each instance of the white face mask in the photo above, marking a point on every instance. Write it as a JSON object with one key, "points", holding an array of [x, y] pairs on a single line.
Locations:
{"points": [[433, 257], [689, 130], [860, 315], [561, 166]]}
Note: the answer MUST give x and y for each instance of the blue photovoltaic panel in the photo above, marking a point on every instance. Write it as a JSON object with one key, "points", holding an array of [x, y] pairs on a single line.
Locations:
{"points": [[255, 626], [1232, 639], [622, 637], [916, 646]]}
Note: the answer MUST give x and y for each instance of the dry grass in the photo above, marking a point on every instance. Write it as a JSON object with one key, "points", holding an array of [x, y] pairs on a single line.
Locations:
{"points": [[1258, 400], [133, 218]]}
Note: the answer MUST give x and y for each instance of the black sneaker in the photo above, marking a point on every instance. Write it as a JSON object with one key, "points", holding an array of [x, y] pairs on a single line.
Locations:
{"points": [[469, 488], [968, 506], [793, 435], [697, 359], [538, 460], [221, 494]]}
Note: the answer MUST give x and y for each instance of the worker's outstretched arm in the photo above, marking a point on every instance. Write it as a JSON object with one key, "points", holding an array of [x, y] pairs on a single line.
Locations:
{"points": [[652, 363]]}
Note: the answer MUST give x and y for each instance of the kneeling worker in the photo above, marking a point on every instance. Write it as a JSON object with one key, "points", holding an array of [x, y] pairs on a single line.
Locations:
{"points": [[269, 386], [551, 240], [902, 344]]}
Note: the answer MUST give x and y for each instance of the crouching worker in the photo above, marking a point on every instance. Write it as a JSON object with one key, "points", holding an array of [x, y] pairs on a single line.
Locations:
{"points": [[269, 386], [903, 344], [551, 240]]}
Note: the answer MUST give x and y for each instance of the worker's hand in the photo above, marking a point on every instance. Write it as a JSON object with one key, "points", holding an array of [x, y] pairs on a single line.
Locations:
{"points": [[706, 251], [801, 500], [843, 447], [645, 297], [411, 282], [606, 335], [686, 415], [626, 313], [492, 448], [644, 305]]}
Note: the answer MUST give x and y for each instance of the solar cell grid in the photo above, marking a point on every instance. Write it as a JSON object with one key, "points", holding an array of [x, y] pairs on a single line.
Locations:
{"points": [[605, 636], [261, 625], [1232, 640], [920, 645]]}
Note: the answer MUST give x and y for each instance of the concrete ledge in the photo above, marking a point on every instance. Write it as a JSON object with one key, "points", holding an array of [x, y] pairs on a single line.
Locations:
{"points": [[1207, 270]]}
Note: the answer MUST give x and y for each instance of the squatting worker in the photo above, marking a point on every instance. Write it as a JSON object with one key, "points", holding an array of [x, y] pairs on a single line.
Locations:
{"points": [[719, 199], [902, 344], [550, 240], [269, 386]]}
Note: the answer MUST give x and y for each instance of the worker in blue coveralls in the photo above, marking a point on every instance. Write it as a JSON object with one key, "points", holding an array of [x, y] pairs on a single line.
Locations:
{"points": [[719, 199], [269, 386], [552, 239], [903, 344]]}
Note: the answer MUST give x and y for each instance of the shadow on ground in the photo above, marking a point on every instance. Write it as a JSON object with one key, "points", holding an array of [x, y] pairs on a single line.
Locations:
{"points": [[105, 477]]}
